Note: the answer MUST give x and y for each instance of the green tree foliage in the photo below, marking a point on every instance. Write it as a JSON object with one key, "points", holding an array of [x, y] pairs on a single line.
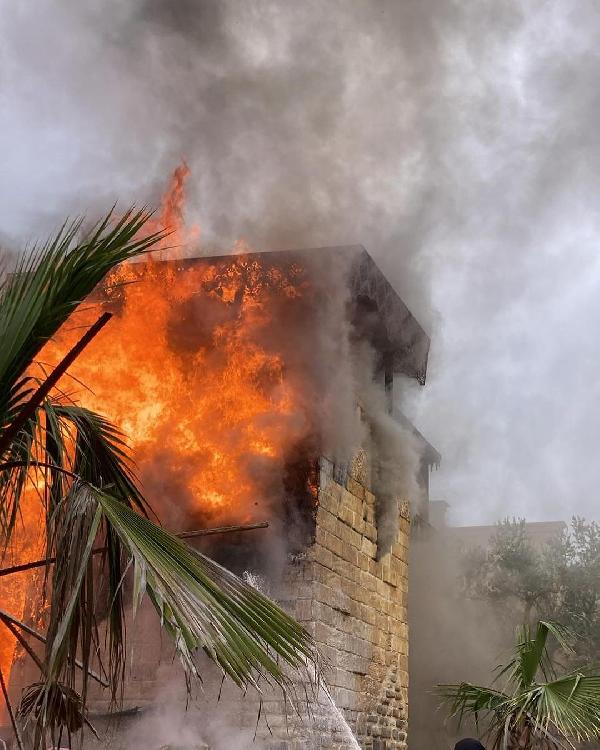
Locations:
{"points": [[557, 580]]}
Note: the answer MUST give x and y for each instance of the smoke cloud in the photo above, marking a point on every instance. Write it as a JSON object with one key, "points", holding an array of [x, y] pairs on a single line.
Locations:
{"points": [[456, 142], [453, 639]]}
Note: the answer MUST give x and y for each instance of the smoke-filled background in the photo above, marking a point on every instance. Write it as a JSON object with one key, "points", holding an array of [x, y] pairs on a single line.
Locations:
{"points": [[457, 141]]}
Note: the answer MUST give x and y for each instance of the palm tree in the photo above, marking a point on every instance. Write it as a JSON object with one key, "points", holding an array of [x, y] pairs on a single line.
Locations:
{"points": [[535, 707], [95, 518]]}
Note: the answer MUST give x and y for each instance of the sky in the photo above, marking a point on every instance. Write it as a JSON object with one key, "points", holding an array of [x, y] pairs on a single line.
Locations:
{"points": [[458, 142]]}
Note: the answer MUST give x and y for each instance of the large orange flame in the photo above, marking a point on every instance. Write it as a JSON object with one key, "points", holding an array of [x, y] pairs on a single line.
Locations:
{"points": [[191, 368], [26, 545], [186, 369]]}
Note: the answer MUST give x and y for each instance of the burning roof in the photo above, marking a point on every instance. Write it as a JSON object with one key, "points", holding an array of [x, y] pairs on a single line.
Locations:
{"points": [[219, 368], [379, 311]]}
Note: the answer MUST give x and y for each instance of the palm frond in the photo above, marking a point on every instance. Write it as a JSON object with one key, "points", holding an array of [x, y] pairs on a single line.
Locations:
{"points": [[531, 653], [51, 280], [466, 699], [570, 705], [60, 441], [90, 448], [49, 711], [101, 458], [204, 606], [101, 455]]}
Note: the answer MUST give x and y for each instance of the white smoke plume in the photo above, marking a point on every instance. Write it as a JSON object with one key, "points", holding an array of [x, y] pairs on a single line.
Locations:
{"points": [[457, 142]]}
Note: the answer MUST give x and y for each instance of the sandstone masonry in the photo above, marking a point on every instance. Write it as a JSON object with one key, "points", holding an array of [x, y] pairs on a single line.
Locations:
{"points": [[354, 604]]}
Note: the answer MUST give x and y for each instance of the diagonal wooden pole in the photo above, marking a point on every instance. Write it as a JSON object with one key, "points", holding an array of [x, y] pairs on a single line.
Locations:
{"points": [[223, 530], [40, 394], [11, 713], [24, 643], [6, 618], [183, 535]]}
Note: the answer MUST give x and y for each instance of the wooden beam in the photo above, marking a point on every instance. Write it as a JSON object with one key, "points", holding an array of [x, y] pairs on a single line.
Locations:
{"points": [[40, 394], [223, 530], [183, 535]]}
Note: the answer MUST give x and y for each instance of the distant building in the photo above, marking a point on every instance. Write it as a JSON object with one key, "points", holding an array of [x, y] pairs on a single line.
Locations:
{"points": [[539, 532]]}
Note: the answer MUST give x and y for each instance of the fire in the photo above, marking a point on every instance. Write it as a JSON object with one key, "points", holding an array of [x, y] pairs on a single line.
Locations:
{"points": [[193, 369], [171, 218], [26, 545], [188, 369]]}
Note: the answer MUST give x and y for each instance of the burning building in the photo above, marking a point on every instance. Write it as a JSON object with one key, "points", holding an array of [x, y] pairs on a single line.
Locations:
{"points": [[259, 387]]}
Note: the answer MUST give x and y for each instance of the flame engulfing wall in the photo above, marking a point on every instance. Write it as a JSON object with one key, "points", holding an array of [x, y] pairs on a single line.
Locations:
{"points": [[224, 373], [207, 368], [232, 375], [192, 369]]}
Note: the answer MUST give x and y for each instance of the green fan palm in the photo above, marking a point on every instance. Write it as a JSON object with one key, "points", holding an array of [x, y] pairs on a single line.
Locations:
{"points": [[90, 501], [535, 707]]}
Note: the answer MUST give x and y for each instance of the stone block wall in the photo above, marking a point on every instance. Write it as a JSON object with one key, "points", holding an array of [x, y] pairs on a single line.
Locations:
{"points": [[354, 604]]}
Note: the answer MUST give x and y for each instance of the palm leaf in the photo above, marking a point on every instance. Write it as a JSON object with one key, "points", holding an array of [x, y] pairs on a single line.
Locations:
{"points": [[206, 607], [466, 699], [531, 654], [49, 711], [101, 455], [570, 705], [52, 279], [61, 440]]}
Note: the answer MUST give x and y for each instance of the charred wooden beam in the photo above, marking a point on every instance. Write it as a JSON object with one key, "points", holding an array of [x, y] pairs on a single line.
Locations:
{"points": [[223, 530], [183, 535]]}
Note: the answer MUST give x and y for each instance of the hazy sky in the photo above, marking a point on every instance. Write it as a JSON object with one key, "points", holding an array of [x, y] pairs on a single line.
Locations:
{"points": [[459, 142]]}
